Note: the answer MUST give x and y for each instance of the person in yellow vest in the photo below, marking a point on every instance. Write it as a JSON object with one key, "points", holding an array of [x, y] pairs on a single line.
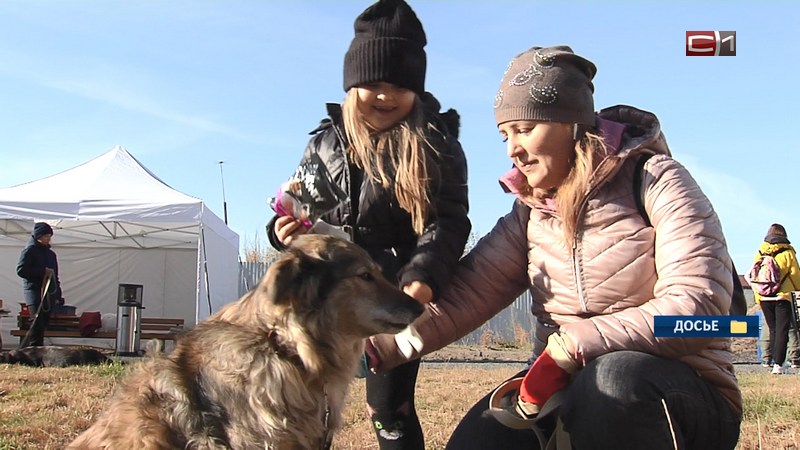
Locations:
{"points": [[777, 308]]}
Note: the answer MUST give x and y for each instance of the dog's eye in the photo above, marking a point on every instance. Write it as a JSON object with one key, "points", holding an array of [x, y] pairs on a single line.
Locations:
{"points": [[366, 276]]}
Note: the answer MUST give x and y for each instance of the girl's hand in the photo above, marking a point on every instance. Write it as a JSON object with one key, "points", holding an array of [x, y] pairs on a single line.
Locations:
{"points": [[287, 228], [420, 291]]}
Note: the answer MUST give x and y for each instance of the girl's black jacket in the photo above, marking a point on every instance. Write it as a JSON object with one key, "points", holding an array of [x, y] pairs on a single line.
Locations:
{"points": [[376, 221]]}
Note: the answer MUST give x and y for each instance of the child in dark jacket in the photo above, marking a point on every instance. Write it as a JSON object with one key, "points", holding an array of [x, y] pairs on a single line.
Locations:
{"points": [[403, 174], [34, 262]]}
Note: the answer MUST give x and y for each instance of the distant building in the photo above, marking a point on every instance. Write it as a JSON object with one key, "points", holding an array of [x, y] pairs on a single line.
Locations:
{"points": [[748, 291]]}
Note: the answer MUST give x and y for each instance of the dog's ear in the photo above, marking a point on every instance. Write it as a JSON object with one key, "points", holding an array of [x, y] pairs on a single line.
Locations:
{"points": [[279, 280], [295, 276]]}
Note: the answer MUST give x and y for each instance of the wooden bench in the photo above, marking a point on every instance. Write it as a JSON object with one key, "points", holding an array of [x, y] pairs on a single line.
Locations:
{"points": [[67, 327]]}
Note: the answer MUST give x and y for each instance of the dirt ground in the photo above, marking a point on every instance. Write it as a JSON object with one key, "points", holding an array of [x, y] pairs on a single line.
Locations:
{"points": [[480, 353], [744, 351]]}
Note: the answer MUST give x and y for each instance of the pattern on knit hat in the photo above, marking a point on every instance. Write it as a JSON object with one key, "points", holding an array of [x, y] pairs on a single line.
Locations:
{"points": [[549, 84], [388, 46]]}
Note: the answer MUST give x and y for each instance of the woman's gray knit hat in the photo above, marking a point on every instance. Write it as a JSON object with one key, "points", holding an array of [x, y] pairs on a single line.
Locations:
{"points": [[552, 84]]}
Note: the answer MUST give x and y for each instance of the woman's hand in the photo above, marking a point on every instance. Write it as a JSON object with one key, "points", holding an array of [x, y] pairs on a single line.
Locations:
{"points": [[420, 291], [287, 228], [549, 374]]}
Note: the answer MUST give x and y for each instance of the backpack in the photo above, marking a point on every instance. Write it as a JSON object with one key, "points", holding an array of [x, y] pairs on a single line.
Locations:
{"points": [[738, 300], [765, 275], [89, 323]]}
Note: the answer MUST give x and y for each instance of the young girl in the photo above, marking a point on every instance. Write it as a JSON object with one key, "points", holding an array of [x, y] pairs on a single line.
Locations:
{"points": [[598, 273], [405, 174]]}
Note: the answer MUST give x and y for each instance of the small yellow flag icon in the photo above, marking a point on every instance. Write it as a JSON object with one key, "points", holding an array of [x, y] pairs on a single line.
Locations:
{"points": [[738, 327]]}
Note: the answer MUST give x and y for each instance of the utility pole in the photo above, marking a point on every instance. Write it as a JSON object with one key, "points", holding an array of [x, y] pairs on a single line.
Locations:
{"points": [[224, 202]]}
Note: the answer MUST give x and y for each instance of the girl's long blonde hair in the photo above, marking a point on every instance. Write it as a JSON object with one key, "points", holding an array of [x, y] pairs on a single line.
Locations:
{"points": [[398, 159], [571, 193]]}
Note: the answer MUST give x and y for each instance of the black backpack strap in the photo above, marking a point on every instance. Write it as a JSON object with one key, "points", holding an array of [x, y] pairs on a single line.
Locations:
{"points": [[637, 186], [773, 254]]}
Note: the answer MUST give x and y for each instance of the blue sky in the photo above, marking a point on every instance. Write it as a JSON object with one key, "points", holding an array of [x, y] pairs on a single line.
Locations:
{"points": [[183, 85]]}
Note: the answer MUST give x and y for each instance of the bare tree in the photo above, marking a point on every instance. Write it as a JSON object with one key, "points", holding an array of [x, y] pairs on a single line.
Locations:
{"points": [[256, 250]]}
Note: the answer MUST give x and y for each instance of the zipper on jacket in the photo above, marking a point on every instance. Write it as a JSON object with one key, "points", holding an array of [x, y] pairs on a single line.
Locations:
{"points": [[577, 271], [576, 266], [350, 227]]}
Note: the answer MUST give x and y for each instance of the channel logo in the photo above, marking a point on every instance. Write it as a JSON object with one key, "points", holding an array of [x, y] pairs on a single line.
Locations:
{"points": [[710, 43], [706, 326]]}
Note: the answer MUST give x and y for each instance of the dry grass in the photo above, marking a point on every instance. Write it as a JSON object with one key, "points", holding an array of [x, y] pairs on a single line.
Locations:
{"points": [[47, 408], [771, 411], [443, 397]]}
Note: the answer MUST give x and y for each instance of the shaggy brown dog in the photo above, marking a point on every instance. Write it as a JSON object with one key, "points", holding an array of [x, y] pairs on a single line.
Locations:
{"points": [[52, 356], [269, 371]]}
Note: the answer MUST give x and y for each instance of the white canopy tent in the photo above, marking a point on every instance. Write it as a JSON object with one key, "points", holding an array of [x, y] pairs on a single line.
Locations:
{"points": [[115, 222]]}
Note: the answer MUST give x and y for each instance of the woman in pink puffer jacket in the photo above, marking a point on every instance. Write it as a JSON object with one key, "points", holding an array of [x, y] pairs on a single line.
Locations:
{"points": [[598, 273]]}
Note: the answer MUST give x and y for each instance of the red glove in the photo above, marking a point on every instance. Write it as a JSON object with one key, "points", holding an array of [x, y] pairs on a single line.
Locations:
{"points": [[549, 374]]}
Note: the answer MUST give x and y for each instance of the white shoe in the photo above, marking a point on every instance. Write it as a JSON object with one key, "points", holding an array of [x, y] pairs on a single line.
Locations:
{"points": [[777, 369]]}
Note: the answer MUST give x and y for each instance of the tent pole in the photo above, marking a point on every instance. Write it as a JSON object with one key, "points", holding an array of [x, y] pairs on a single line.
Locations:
{"points": [[224, 201], [205, 268]]}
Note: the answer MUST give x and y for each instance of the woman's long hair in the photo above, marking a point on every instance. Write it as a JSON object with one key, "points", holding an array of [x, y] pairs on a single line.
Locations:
{"points": [[397, 158]]}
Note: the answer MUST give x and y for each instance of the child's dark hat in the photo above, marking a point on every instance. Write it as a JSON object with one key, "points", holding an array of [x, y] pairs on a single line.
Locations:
{"points": [[388, 46]]}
